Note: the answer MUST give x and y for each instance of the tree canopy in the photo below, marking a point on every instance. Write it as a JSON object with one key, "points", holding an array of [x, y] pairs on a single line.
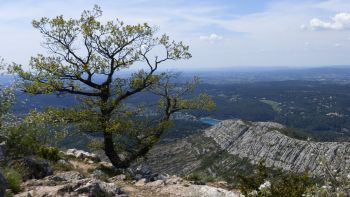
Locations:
{"points": [[86, 57]]}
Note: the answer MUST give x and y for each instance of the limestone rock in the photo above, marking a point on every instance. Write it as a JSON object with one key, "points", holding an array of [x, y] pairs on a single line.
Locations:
{"points": [[196, 190], [256, 141], [71, 187], [141, 182], [83, 155], [120, 177], [66, 176], [96, 188], [142, 172]]}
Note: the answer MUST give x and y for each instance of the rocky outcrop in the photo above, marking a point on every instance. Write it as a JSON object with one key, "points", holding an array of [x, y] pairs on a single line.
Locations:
{"points": [[234, 147], [176, 186], [72, 184], [3, 185], [142, 172], [258, 141], [83, 155], [196, 190]]}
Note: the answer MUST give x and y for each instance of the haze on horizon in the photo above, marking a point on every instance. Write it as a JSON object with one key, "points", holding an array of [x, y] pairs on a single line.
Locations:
{"points": [[221, 33]]}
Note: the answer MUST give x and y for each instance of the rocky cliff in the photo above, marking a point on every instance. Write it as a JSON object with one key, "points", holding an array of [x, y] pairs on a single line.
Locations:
{"points": [[264, 140], [233, 147]]}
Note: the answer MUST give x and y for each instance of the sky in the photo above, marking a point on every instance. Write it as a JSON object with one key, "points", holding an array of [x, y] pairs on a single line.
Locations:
{"points": [[220, 33]]}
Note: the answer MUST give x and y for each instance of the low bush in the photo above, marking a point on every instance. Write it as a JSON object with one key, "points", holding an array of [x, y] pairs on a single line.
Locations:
{"points": [[199, 178], [13, 179], [49, 153], [282, 184]]}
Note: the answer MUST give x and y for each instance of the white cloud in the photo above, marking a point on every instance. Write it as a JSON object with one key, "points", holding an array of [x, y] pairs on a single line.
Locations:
{"points": [[276, 29], [340, 21], [211, 38]]}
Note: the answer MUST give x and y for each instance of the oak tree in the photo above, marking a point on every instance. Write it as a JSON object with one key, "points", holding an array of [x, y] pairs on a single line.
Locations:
{"points": [[86, 58]]}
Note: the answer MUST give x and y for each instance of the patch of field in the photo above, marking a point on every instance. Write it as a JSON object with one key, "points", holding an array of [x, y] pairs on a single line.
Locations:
{"points": [[276, 106]]}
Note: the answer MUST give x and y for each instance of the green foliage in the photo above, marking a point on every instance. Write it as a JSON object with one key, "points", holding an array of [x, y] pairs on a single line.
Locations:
{"points": [[22, 140], [27, 136], [9, 193], [13, 179], [198, 177], [250, 183], [7, 97], [291, 184], [193, 177], [49, 153], [283, 184]]}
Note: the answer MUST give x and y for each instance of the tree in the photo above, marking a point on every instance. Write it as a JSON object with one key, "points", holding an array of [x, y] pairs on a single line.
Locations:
{"points": [[86, 59], [6, 96]]}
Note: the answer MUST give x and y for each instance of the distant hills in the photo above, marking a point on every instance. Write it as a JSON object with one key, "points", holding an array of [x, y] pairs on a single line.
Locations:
{"points": [[255, 74]]}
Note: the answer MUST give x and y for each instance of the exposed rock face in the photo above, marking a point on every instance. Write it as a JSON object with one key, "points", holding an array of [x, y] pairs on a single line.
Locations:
{"points": [[196, 190], [142, 172], [31, 168], [3, 185], [263, 140], [71, 184], [233, 147], [176, 186]]}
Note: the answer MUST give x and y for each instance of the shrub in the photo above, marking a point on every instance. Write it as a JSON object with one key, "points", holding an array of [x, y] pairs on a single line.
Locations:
{"points": [[199, 178], [27, 134], [288, 184], [9, 194], [291, 184], [21, 140], [49, 153], [13, 179], [251, 183]]}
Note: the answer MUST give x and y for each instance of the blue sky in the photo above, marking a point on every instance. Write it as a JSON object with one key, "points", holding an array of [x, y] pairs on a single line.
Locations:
{"points": [[221, 33]]}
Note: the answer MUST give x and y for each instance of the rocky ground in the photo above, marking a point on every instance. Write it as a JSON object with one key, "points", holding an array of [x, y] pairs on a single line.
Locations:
{"points": [[88, 176]]}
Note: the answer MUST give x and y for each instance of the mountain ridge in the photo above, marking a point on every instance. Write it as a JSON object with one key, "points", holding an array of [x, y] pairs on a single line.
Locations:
{"points": [[234, 147], [264, 141]]}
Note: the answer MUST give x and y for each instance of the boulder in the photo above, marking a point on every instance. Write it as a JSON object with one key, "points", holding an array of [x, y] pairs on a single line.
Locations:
{"points": [[3, 185], [142, 172], [98, 188], [32, 168], [141, 182], [88, 187]]}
